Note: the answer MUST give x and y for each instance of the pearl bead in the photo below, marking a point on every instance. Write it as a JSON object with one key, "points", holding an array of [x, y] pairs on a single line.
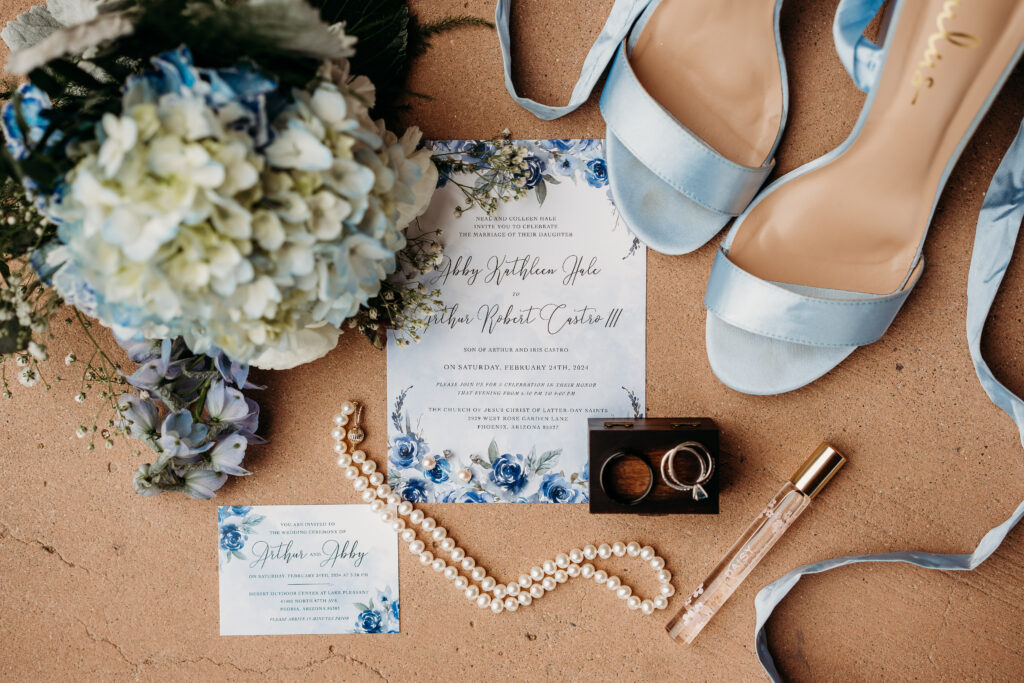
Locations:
{"points": [[576, 555], [513, 589], [573, 570], [618, 548], [341, 419], [393, 499], [368, 496], [548, 583], [398, 524], [633, 602], [377, 505], [387, 516], [383, 491], [668, 590], [351, 472], [438, 565], [536, 591], [468, 563], [587, 571], [416, 516], [404, 508], [457, 554], [647, 607], [369, 467], [472, 592], [337, 434], [487, 583], [525, 580], [450, 573], [448, 545], [604, 551], [416, 547], [497, 607], [600, 576], [499, 590], [341, 449], [483, 600], [623, 592], [657, 563], [428, 524], [560, 576], [460, 582], [465, 476], [536, 573], [549, 567], [426, 557], [660, 602], [646, 553], [428, 462], [589, 552], [438, 534], [347, 408], [478, 573], [344, 460], [524, 599], [632, 548], [613, 583], [511, 604], [408, 535], [664, 576], [562, 560], [358, 456], [361, 483], [376, 479]]}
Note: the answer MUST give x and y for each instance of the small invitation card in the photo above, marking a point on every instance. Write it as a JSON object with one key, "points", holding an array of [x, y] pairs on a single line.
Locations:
{"points": [[289, 569], [543, 327]]}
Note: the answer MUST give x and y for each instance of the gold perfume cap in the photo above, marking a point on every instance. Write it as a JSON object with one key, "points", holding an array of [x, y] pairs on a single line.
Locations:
{"points": [[818, 470]]}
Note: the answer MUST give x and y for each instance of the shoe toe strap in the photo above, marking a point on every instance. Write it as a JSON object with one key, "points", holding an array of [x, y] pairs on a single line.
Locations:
{"points": [[670, 150], [771, 310]]}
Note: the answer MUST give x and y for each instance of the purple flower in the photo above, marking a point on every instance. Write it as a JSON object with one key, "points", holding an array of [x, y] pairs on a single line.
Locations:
{"points": [[227, 455]]}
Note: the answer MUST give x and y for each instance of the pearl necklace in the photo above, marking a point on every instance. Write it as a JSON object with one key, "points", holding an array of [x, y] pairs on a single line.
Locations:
{"points": [[481, 588]]}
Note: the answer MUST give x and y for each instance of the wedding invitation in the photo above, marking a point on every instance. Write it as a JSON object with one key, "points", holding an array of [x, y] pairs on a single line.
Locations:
{"points": [[290, 569], [543, 326]]}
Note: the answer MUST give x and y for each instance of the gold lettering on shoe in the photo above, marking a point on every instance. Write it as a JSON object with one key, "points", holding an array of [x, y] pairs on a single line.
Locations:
{"points": [[931, 56]]}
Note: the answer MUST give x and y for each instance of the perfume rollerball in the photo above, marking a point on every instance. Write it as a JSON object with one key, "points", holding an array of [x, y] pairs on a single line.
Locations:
{"points": [[780, 513]]}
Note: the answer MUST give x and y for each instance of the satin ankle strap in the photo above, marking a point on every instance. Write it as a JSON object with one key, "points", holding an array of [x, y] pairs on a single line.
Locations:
{"points": [[998, 226], [624, 13], [861, 57]]}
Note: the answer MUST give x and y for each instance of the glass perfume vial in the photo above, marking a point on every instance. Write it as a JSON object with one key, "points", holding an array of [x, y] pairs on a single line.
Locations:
{"points": [[780, 513]]}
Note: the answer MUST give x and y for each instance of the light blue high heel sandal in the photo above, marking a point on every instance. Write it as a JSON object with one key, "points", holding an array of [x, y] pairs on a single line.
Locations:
{"points": [[673, 189], [779, 314], [998, 226]]}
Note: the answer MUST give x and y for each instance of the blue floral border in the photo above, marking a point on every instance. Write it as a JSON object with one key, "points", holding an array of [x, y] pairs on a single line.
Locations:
{"points": [[498, 477], [378, 616]]}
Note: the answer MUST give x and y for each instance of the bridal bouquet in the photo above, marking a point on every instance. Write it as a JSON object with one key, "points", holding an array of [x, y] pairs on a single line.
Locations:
{"points": [[209, 173]]}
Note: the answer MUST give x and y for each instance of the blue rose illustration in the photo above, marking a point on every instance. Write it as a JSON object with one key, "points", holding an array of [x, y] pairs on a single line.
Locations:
{"points": [[441, 471], [467, 496], [406, 450], [225, 511], [534, 172], [394, 610], [558, 145], [555, 488], [596, 171], [231, 537], [509, 472], [368, 621], [586, 471], [413, 490]]}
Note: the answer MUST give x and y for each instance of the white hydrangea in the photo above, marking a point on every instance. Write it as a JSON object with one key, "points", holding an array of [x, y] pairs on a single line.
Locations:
{"points": [[177, 222]]}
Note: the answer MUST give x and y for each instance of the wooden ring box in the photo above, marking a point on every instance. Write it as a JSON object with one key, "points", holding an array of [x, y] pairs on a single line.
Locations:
{"points": [[649, 439]]}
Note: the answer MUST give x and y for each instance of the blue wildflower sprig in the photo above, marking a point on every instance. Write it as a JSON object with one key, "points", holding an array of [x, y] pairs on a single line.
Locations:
{"points": [[190, 410]]}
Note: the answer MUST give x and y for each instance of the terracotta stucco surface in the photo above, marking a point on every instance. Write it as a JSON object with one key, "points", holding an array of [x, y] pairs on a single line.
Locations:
{"points": [[99, 583]]}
